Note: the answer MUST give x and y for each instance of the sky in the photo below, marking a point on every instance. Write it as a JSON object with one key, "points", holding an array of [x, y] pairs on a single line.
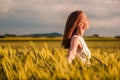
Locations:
{"points": [[46, 16]]}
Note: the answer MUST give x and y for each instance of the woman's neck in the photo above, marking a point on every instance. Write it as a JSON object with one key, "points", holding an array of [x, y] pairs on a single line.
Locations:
{"points": [[81, 32]]}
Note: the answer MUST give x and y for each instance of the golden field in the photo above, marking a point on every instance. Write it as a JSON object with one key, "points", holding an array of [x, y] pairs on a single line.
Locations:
{"points": [[44, 58]]}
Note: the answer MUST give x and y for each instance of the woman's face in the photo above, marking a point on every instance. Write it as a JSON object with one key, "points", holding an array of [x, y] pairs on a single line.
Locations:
{"points": [[85, 22]]}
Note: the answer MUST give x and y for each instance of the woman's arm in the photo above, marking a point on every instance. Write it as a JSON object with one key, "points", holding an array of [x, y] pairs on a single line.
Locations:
{"points": [[73, 49]]}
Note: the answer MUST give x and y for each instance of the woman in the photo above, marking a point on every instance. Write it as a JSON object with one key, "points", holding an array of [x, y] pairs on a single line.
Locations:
{"points": [[77, 23]]}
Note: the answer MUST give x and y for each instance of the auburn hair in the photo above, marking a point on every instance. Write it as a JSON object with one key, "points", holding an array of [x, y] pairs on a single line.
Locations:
{"points": [[71, 27]]}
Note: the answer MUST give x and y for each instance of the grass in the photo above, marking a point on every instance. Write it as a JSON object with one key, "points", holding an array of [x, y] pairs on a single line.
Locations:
{"points": [[47, 61]]}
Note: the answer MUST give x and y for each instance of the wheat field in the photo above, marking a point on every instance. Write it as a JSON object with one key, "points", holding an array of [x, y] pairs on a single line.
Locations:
{"points": [[47, 61]]}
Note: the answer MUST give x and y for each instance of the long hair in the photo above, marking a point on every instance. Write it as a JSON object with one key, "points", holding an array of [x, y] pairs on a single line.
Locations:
{"points": [[71, 27]]}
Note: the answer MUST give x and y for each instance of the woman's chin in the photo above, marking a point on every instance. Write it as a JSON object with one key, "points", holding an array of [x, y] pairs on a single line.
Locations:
{"points": [[87, 27]]}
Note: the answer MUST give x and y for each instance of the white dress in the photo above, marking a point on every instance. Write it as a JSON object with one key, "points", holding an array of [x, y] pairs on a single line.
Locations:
{"points": [[85, 53]]}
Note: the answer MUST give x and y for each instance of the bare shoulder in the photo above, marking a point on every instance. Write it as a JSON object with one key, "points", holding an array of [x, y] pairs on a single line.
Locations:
{"points": [[76, 42]]}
